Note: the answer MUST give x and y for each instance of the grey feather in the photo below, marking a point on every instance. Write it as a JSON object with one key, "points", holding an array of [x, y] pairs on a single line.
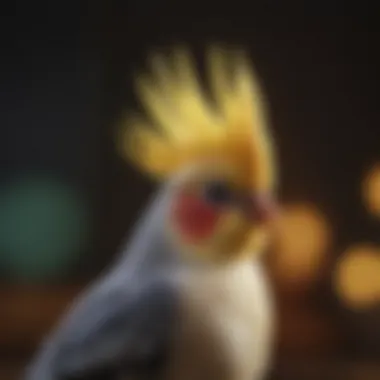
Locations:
{"points": [[126, 316], [121, 331]]}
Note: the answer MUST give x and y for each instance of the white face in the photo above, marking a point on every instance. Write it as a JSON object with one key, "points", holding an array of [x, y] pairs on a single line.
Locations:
{"points": [[214, 218]]}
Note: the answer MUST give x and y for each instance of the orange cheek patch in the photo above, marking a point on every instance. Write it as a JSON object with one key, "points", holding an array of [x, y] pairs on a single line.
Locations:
{"points": [[195, 218]]}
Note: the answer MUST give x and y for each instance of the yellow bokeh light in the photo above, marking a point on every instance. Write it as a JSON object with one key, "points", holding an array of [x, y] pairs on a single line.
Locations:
{"points": [[302, 236], [371, 190], [357, 277]]}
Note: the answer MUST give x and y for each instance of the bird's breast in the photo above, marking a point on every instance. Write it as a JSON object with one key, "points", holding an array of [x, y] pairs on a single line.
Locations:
{"points": [[225, 325]]}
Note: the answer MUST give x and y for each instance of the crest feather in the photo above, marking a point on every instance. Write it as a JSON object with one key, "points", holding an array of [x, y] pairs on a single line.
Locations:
{"points": [[186, 125]]}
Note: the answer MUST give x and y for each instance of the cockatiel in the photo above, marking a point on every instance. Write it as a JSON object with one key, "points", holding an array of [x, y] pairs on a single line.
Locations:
{"points": [[187, 299]]}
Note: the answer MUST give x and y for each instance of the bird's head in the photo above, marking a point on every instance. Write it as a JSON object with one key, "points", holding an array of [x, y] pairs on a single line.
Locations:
{"points": [[216, 151]]}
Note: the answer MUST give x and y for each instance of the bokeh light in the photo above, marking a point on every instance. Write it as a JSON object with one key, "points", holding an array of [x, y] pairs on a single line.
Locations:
{"points": [[302, 236], [357, 276], [371, 190], [43, 228]]}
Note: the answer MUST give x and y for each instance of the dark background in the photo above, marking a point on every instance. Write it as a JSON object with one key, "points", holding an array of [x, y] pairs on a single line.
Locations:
{"points": [[66, 77]]}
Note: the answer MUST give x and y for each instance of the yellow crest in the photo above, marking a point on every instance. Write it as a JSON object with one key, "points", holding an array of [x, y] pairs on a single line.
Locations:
{"points": [[188, 126]]}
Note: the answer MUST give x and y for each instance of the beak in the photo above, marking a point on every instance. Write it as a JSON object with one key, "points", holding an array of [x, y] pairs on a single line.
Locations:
{"points": [[261, 208]]}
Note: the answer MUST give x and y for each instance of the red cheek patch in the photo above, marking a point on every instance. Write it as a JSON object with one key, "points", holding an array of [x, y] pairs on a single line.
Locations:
{"points": [[195, 218]]}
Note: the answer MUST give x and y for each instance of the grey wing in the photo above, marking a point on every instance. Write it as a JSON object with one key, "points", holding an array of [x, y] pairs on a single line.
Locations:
{"points": [[116, 330]]}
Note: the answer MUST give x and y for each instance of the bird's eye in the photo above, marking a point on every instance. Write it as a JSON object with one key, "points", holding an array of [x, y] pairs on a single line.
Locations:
{"points": [[218, 192]]}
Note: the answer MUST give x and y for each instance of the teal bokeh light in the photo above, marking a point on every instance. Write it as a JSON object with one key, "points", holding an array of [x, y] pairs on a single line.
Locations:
{"points": [[44, 227]]}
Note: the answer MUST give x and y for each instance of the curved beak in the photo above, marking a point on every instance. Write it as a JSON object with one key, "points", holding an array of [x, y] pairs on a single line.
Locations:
{"points": [[261, 208]]}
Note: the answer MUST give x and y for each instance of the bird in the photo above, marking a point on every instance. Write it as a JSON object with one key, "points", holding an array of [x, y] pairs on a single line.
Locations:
{"points": [[187, 297]]}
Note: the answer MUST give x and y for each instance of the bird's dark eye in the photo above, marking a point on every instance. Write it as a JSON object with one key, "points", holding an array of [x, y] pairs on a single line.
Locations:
{"points": [[218, 192]]}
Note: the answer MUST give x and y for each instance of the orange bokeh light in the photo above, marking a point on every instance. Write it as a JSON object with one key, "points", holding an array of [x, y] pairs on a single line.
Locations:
{"points": [[371, 190], [302, 236], [357, 277]]}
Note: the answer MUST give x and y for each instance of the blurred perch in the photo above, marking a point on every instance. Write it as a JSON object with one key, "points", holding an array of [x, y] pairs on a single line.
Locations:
{"points": [[305, 331], [287, 370], [28, 312], [327, 369]]}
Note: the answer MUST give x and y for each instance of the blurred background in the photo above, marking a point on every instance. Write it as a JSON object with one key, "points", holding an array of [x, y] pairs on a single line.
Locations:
{"points": [[67, 200]]}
